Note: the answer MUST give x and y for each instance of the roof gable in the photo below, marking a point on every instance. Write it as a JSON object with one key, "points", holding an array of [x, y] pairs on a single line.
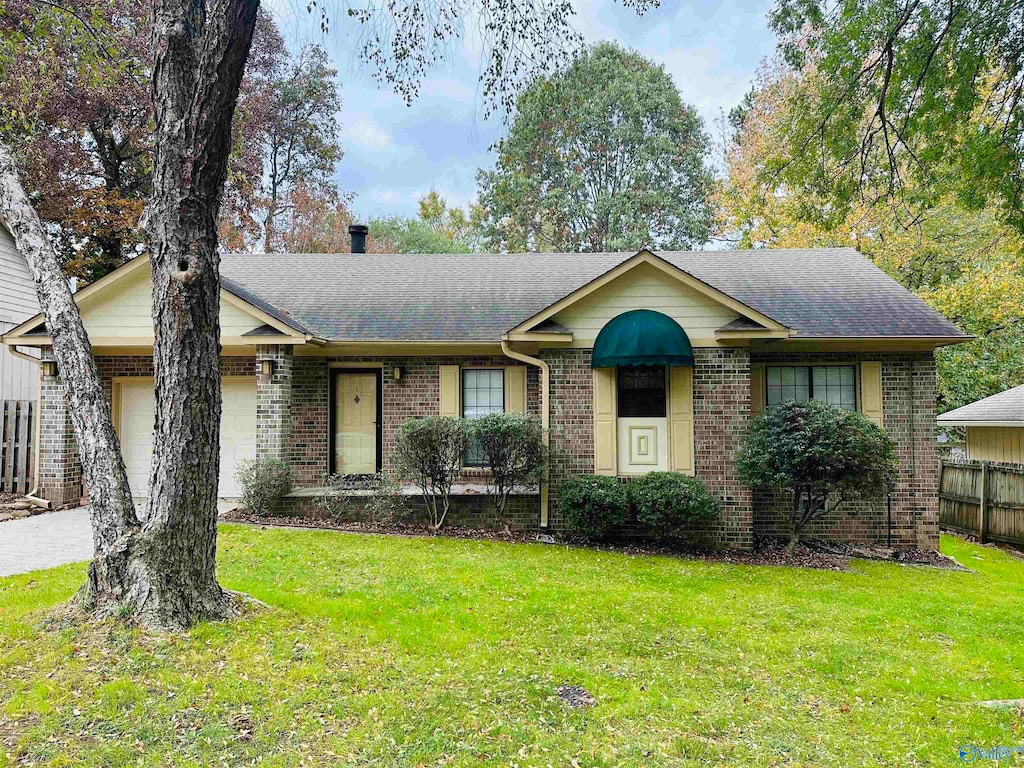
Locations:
{"points": [[119, 307], [638, 282]]}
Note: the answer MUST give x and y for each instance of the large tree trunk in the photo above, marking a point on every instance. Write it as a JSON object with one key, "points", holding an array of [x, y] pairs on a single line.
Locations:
{"points": [[200, 53], [160, 572], [114, 522]]}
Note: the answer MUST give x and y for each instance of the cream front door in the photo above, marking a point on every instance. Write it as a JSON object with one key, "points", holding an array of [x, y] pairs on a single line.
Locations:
{"points": [[355, 423], [642, 424]]}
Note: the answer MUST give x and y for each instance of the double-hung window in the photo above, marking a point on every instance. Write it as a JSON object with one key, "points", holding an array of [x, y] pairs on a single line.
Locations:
{"points": [[483, 392], [835, 384]]}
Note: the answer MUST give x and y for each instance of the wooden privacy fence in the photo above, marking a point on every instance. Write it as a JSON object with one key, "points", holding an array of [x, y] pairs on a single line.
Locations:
{"points": [[983, 499], [16, 445]]}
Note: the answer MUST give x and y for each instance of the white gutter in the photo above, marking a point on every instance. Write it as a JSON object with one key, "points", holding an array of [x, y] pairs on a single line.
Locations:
{"points": [[967, 423], [545, 416]]}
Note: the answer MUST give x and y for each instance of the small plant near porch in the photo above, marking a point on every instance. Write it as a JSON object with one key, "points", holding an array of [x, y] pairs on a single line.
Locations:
{"points": [[263, 482], [821, 454], [429, 452]]}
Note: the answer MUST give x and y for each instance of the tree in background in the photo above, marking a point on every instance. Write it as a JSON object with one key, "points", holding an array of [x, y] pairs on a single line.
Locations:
{"points": [[919, 100], [78, 112], [439, 228], [966, 262], [294, 149], [604, 155]]}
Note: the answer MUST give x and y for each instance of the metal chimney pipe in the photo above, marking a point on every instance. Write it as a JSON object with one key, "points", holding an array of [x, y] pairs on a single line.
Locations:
{"points": [[358, 232]]}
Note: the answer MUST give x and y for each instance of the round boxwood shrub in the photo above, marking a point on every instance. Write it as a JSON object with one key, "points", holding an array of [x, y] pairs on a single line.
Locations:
{"points": [[667, 501], [594, 504]]}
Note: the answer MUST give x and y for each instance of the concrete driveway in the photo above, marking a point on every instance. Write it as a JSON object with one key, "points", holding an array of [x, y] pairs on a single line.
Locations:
{"points": [[53, 538], [46, 540]]}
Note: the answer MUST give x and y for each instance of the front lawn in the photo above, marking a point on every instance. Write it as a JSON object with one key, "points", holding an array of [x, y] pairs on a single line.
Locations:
{"points": [[404, 652]]}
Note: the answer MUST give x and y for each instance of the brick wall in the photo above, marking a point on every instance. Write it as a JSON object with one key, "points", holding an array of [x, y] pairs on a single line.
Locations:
{"points": [[721, 413], [908, 407], [721, 420], [60, 474], [274, 402]]}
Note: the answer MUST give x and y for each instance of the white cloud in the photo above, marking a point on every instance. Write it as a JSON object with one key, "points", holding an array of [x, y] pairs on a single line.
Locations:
{"points": [[362, 132]]}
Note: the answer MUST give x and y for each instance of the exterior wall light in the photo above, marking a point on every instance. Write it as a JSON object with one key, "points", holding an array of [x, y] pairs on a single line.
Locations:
{"points": [[265, 367], [50, 368], [397, 373]]}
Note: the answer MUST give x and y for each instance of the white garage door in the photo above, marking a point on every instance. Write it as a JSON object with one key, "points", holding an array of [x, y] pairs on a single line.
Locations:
{"points": [[237, 432]]}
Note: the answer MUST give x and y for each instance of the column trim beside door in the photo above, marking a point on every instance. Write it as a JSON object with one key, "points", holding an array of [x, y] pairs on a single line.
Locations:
{"points": [[332, 396]]}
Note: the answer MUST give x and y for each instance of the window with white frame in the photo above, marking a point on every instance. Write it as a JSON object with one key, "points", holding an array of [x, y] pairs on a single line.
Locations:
{"points": [[835, 384], [483, 392]]}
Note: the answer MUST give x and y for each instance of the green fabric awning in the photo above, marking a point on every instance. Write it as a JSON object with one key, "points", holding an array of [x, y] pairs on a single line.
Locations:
{"points": [[642, 337]]}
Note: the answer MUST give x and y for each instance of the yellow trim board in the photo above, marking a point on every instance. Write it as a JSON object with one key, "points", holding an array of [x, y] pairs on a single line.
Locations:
{"points": [[16, 334], [647, 257]]}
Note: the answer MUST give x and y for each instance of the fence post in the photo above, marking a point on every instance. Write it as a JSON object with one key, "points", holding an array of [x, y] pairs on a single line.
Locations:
{"points": [[983, 533]]}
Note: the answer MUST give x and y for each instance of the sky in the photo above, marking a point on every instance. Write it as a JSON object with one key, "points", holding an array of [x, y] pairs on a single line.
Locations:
{"points": [[394, 153]]}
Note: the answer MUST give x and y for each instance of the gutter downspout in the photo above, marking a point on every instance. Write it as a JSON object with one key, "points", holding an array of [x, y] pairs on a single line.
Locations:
{"points": [[33, 494], [545, 416]]}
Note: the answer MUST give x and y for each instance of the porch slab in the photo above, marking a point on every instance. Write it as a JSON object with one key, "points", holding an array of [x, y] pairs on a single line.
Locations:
{"points": [[461, 489]]}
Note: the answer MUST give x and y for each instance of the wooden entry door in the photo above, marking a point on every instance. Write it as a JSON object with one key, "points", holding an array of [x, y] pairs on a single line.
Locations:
{"points": [[356, 429]]}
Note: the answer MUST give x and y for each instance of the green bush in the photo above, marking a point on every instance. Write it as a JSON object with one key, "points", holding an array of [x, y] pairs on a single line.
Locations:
{"points": [[263, 482], [668, 501], [429, 452], [513, 449], [822, 455], [594, 504]]}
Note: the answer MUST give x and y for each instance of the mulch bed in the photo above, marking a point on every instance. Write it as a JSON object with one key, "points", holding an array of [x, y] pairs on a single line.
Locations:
{"points": [[811, 554]]}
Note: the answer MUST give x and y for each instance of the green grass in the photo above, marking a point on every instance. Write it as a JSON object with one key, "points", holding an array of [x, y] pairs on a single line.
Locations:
{"points": [[399, 652]]}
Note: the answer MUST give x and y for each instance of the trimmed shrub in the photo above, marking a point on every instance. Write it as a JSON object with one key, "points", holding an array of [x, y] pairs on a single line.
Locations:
{"points": [[594, 504], [513, 448], [429, 452], [821, 454], [668, 501], [263, 482]]}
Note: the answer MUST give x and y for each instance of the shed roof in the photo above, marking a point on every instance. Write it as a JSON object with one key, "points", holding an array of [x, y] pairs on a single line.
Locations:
{"points": [[1003, 409]]}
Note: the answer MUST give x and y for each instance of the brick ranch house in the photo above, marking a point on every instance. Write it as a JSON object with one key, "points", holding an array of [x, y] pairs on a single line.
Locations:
{"points": [[324, 356]]}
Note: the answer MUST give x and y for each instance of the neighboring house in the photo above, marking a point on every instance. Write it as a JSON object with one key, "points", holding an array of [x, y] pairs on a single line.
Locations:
{"points": [[19, 378], [325, 356], [995, 426]]}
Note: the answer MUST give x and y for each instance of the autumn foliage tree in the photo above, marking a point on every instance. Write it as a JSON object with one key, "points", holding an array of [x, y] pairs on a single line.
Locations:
{"points": [[77, 110], [966, 262]]}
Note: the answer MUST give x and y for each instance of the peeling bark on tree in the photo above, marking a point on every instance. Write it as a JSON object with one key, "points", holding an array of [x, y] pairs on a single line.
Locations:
{"points": [[112, 513], [161, 570]]}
